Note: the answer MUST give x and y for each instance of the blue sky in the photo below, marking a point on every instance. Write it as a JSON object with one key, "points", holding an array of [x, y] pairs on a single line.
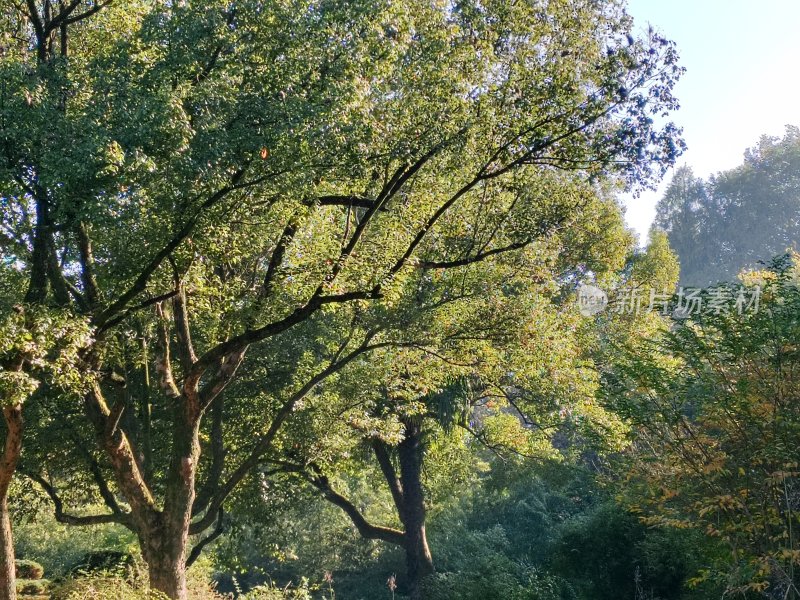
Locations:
{"points": [[743, 79]]}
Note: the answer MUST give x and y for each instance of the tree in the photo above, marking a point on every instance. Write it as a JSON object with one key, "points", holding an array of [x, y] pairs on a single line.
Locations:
{"points": [[34, 348], [216, 175], [488, 350], [714, 411], [738, 219], [686, 214]]}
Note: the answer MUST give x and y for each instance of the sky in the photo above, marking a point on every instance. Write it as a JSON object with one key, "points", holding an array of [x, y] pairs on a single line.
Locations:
{"points": [[742, 80]]}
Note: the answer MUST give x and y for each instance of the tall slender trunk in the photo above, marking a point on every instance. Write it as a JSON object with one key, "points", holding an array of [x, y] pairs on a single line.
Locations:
{"points": [[8, 581], [419, 562], [8, 464]]}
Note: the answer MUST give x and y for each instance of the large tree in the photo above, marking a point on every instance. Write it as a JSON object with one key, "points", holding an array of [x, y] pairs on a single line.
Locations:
{"points": [[208, 176], [494, 350]]}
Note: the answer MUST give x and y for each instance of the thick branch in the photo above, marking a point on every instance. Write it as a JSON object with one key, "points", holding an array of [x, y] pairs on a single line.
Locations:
{"points": [[97, 474], [468, 260], [366, 529], [88, 13], [251, 336], [164, 364], [87, 264], [277, 257], [389, 472], [38, 28], [225, 373], [12, 447], [217, 443], [348, 201], [68, 519], [145, 304], [182, 328], [125, 466], [198, 548]]}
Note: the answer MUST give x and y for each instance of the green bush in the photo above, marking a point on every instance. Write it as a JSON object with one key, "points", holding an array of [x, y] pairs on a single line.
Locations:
{"points": [[60, 547], [108, 563], [28, 569], [270, 592], [32, 587], [480, 567], [102, 588], [636, 560], [509, 582]]}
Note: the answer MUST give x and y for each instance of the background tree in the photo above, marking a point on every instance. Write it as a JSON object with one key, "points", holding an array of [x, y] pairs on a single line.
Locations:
{"points": [[738, 219]]}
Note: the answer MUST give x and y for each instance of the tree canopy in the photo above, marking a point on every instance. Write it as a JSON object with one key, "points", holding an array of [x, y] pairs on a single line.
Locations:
{"points": [[737, 219], [242, 200]]}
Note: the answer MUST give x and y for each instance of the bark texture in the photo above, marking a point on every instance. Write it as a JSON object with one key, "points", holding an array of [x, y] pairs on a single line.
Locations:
{"points": [[419, 562], [8, 464]]}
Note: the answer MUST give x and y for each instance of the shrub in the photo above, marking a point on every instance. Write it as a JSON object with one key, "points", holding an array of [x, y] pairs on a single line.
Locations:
{"points": [[32, 587], [102, 588], [269, 592], [635, 559], [108, 563], [60, 547], [481, 568], [28, 569], [510, 582]]}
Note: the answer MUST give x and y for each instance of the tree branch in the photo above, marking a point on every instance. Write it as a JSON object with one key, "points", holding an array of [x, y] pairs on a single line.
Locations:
{"points": [[277, 257], [366, 529], [182, 327], [480, 256], [389, 472], [218, 453], [145, 304], [68, 519], [80, 17], [343, 200], [198, 548]]}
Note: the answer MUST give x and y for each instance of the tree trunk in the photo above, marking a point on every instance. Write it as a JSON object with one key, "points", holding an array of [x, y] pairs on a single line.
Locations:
{"points": [[166, 545], [8, 582], [163, 534], [419, 562], [8, 464], [166, 562]]}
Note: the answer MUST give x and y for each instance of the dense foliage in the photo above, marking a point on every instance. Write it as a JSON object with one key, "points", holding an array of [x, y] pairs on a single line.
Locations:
{"points": [[288, 296], [250, 205], [716, 412]]}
